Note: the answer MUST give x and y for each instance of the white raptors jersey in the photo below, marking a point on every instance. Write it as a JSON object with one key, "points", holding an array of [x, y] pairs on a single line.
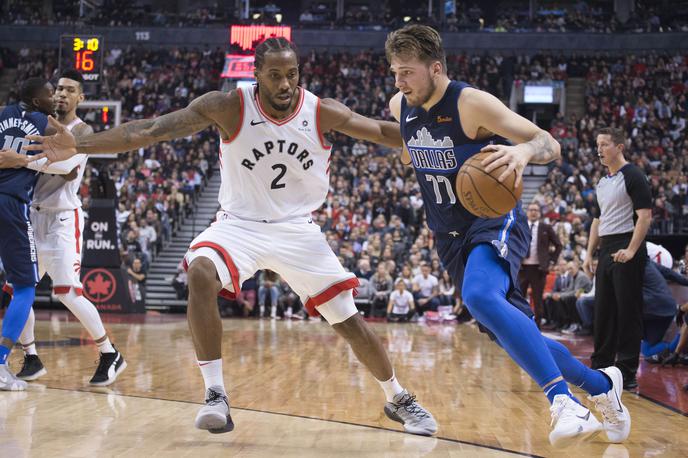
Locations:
{"points": [[55, 193], [272, 169]]}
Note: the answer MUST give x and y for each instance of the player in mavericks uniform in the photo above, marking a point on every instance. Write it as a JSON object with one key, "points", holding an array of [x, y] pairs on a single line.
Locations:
{"points": [[17, 247], [443, 123], [275, 172], [58, 224]]}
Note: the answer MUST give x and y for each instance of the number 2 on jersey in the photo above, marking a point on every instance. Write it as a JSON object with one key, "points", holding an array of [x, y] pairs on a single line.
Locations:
{"points": [[276, 182], [436, 180]]}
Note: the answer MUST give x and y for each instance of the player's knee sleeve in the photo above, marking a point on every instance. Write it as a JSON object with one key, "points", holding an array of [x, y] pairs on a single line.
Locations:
{"points": [[219, 263], [18, 312], [27, 336], [338, 309]]}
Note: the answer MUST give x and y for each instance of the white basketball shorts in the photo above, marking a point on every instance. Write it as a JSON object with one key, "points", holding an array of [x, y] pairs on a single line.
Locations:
{"points": [[59, 237], [295, 249]]}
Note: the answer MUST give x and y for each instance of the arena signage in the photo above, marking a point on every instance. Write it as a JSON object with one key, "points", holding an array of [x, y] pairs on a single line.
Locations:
{"points": [[100, 236], [238, 67], [249, 36]]}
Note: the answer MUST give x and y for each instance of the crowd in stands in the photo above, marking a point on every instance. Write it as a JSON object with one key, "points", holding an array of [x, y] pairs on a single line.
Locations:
{"points": [[373, 216], [503, 16]]}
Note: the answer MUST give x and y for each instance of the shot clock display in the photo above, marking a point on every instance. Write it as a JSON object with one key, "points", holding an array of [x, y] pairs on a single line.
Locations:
{"points": [[83, 53]]}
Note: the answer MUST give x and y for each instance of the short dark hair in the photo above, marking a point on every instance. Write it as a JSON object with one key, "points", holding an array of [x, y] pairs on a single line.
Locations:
{"points": [[273, 44], [30, 88], [416, 40], [73, 75], [618, 136]]}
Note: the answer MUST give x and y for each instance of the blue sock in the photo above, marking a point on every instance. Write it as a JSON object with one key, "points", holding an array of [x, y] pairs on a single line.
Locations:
{"points": [[650, 350], [560, 387], [674, 343], [485, 287], [593, 381], [16, 316]]}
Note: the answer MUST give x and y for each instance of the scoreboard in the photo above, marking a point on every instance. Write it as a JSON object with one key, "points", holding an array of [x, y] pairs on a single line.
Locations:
{"points": [[83, 53]]}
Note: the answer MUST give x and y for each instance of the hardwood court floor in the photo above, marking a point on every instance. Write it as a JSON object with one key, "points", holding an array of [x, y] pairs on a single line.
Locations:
{"points": [[296, 390]]}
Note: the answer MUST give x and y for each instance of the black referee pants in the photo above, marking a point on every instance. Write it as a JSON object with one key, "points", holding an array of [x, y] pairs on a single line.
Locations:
{"points": [[618, 321]]}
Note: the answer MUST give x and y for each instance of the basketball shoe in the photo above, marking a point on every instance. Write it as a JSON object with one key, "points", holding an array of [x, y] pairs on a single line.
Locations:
{"points": [[571, 422], [406, 410], [32, 368], [214, 415], [8, 382], [616, 418], [109, 368]]}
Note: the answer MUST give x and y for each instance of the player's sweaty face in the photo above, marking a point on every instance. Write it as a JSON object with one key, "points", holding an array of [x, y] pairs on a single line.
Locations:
{"points": [[413, 78], [67, 95], [278, 79], [44, 101]]}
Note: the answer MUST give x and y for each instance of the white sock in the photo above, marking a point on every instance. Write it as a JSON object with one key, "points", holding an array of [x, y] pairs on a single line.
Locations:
{"points": [[212, 373], [105, 346], [273, 311], [29, 349], [86, 313], [391, 387], [27, 336]]}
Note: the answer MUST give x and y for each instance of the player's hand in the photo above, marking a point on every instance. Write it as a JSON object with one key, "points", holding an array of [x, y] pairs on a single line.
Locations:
{"points": [[622, 256], [588, 268], [556, 296], [10, 159], [510, 156], [58, 147]]}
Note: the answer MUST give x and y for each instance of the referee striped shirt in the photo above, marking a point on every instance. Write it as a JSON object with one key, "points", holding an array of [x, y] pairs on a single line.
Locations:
{"points": [[619, 196]]}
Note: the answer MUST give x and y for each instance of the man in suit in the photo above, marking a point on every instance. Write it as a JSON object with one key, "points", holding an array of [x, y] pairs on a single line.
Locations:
{"points": [[578, 284], [542, 254]]}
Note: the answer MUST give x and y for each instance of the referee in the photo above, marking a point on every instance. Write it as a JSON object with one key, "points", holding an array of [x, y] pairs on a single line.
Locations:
{"points": [[625, 201]]}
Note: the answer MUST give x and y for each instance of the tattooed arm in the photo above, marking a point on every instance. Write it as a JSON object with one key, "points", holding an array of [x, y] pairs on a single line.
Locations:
{"points": [[213, 108], [483, 115]]}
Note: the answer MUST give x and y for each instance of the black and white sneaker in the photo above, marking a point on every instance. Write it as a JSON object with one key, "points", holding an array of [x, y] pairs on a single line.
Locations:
{"points": [[109, 368], [32, 368]]}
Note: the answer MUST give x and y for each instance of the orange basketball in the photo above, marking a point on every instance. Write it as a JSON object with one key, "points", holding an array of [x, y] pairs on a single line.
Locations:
{"points": [[480, 192]]}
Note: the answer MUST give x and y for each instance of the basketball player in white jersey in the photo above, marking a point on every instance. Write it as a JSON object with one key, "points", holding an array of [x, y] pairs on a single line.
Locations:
{"points": [[58, 224], [275, 172]]}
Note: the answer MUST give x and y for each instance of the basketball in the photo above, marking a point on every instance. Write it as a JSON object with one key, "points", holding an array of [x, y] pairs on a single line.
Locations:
{"points": [[481, 193]]}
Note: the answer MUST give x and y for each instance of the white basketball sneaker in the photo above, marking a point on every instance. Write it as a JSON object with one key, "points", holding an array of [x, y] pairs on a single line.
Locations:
{"points": [[214, 415], [571, 422], [615, 416], [407, 411], [8, 382]]}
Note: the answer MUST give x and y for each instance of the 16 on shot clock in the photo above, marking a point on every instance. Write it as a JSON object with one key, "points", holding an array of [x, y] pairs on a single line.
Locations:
{"points": [[83, 53]]}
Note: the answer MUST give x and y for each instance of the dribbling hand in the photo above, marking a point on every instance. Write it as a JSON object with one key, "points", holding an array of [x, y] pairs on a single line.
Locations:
{"points": [[510, 156], [57, 147]]}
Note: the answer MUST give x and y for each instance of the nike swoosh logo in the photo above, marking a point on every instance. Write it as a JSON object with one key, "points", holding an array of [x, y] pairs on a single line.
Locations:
{"points": [[64, 219], [618, 402], [3, 379], [204, 364], [410, 119], [586, 417], [255, 123]]}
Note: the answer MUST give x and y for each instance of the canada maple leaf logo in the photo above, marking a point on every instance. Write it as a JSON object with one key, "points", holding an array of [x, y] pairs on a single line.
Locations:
{"points": [[99, 286]]}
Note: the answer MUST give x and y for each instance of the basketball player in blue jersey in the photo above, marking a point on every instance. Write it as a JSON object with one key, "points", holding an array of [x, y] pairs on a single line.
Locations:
{"points": [[443, 123], [17, 247]]}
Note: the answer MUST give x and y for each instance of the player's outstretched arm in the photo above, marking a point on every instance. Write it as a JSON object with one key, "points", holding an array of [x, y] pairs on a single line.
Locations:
{"points": [[202, 112], [483, 113], [336, 116]]}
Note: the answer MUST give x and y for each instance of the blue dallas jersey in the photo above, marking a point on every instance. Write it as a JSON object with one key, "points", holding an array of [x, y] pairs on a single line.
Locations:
{"points": [[15, 125], [438, 148]]}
